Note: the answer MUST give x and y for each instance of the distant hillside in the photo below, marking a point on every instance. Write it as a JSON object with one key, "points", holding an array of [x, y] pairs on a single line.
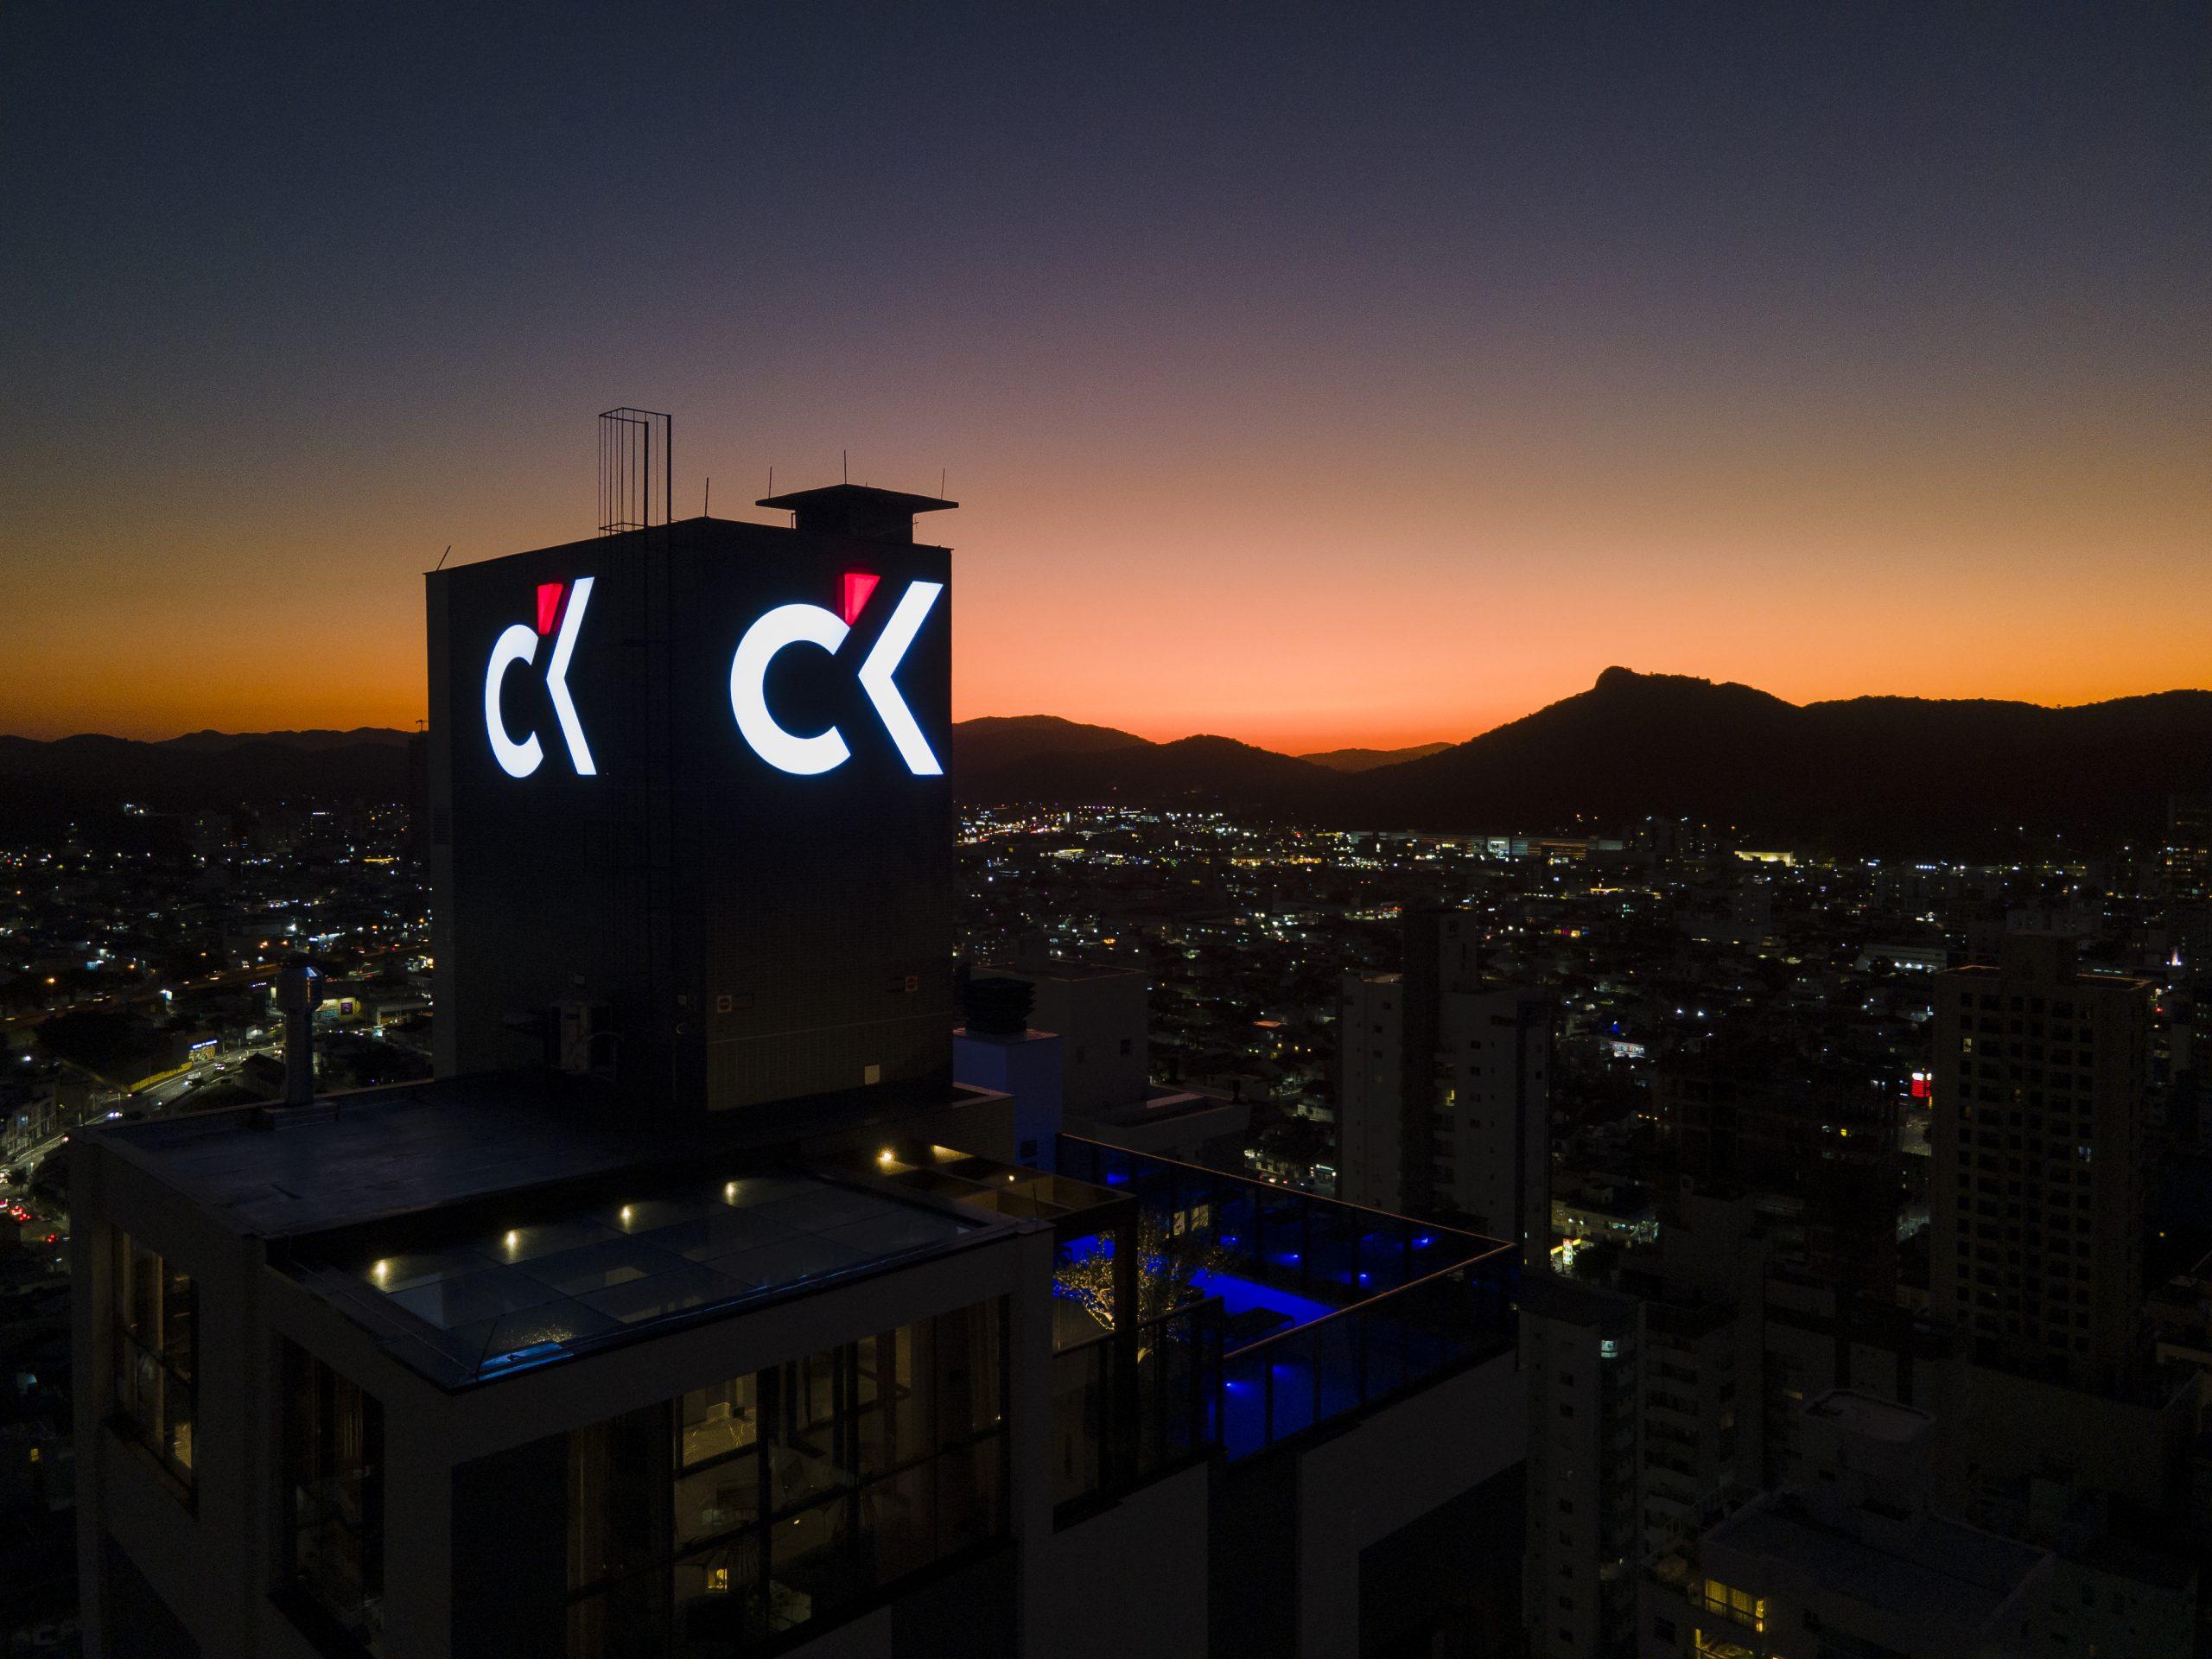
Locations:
{"points": [[1368, 760], [1868, 774], [1212, 770], [209, 741], [1872, 774], [188, 774], [985, 746]]}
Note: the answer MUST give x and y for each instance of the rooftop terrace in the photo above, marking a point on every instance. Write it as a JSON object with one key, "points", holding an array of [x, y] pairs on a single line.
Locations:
{"points": [[478, 1227], [578, 1271], [1278, 1314]]}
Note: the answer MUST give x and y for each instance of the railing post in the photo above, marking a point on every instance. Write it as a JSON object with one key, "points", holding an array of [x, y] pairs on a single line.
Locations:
{"points": [[1128, 1316], [1405, 1343], [1317, 1342], [1305, 1244], [1101, 1381], [1197, 1403]]}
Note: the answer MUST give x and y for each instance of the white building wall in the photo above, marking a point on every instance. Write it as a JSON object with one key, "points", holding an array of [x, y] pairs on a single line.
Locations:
{"points": [[1129, 1580], [1357, 1488], [1494, 1064], [213, 1561], [1584, 1468], [1103, 1017]]}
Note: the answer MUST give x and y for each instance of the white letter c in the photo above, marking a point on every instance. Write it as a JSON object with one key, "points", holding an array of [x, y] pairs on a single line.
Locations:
{"points": [[787, 624], [517, 644]]}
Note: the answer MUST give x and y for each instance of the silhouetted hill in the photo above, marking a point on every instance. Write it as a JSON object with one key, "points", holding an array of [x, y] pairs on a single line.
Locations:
{"points": [[1866, 775], [105, 772], [1191, 770], [985, 745], [314, 738], [1368, 760], [1869, 774]]}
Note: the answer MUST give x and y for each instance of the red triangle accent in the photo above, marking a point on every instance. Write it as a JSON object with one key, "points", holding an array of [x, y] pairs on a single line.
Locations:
{"points": [[548, 604], [858, 586]]}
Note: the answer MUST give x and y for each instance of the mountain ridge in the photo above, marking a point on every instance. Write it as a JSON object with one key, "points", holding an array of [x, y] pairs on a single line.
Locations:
{"points": [[1358, 760], [45, 778], [1872, 772], [313, 737]]}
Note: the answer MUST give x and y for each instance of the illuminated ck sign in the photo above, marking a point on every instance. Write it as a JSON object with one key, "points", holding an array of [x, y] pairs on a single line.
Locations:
{"points": [[811, 625], [518, 758]]}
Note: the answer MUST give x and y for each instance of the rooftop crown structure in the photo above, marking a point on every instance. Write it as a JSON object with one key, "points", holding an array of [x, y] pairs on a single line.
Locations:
{"points": [[690, 822]]}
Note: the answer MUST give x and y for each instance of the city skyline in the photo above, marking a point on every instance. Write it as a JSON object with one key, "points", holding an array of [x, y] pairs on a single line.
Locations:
{"points": [[1316, 386]]}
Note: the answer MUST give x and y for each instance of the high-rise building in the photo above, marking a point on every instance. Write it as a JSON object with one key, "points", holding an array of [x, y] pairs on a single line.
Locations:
{"points": [[1086, 1064], [1371, 1090], [1822, 1147], [1445, 1088], [2189, 870], [1583, 1347], [2187, 897], [1101, 1013], [2039, 1194], [694, 1309]]}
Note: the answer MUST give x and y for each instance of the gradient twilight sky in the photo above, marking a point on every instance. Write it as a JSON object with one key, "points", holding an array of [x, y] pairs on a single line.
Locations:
{"points": [[1360, 375]]}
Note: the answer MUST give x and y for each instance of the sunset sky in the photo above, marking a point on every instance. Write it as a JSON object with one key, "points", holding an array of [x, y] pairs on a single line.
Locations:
{"points": [[1367, 375]]}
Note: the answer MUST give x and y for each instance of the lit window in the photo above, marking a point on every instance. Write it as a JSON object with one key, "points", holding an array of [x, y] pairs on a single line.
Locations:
{"points": [[332, 1442], [1745, 1608], [732, 1513], [155, 1326]]}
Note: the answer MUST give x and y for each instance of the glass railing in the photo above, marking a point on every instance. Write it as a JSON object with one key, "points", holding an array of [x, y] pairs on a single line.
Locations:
{"points": [[1314, 1374], [1313, 1310], [1275, 1239], [1121, 1418]]}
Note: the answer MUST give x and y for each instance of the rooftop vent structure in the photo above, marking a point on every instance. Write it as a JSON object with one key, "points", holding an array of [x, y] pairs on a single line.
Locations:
{"points": [[997, 1007], [857, 510]]}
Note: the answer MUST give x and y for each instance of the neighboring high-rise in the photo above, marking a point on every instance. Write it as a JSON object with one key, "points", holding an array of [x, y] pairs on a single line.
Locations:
{"points": [[1371, 1090], [2188, 883], [1821, 1146], [1585, 1351], [2039, 1193], [1095, 1020], [1444, 1096], [1100, 1012], [2189, 869]]}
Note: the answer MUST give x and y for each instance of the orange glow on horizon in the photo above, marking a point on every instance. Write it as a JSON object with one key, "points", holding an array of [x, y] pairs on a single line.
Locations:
{"points": [[1418, 598], [1303, 380]]}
